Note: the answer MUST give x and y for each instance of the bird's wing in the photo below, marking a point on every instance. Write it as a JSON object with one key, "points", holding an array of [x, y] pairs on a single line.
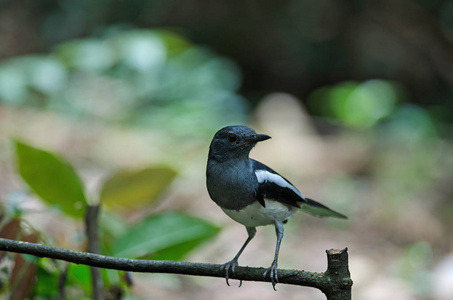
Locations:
{"points": [[274, 186]]}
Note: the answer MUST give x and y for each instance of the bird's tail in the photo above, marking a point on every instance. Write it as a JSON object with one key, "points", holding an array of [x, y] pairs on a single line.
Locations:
{"points": [[317, 209]]}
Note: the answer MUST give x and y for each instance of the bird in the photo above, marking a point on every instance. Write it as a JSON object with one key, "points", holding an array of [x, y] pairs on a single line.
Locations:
{"points": [[251, 193]]}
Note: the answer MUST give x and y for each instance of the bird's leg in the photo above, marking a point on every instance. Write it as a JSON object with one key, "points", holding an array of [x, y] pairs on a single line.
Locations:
{"points": [[232, 264], [272, 271]]}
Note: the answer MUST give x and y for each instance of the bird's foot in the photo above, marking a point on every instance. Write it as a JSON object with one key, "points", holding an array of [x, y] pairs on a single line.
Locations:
{"points": [[230, 266], [272, 274]]}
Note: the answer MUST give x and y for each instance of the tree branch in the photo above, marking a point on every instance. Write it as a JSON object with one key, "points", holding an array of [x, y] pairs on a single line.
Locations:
{"points": [[335, 282]]}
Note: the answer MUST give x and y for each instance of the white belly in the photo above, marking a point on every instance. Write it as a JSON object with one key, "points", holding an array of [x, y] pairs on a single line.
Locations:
{"points": [[257, 215]]}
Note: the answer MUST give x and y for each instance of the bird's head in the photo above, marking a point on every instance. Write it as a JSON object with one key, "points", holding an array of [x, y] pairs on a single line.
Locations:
{"points": [[234, 142]]}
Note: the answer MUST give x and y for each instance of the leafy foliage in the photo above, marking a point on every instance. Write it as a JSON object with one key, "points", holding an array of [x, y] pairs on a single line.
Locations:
{"points": [[137, 77], [357, 105], [132, 189], [52, 179], [164, 236], [160, 236], [23, 269]]}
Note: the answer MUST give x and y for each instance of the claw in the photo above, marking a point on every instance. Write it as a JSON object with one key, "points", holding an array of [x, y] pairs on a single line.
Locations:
{"points": [[231, 265], [272, 274]]}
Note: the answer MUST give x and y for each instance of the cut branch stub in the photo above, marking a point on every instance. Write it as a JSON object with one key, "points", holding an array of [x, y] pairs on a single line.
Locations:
{"points": [[337, 275]]}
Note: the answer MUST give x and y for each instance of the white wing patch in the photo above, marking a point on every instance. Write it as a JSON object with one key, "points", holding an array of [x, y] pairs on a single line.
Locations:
{"points": [[263, 176]]}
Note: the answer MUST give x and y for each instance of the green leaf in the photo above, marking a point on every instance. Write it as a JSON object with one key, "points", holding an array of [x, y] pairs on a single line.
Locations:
{"points": [[176, 252], [111, 227], [165, 236], [129, 189], [47, 284], [79, 275], [52, 178], [173, 42]]}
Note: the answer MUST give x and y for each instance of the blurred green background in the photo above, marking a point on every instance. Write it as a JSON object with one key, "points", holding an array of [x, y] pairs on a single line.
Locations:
{"points": [[357, 95]]}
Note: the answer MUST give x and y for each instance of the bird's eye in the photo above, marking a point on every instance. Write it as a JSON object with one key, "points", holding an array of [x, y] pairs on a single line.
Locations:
{"points": [[232, 137]]}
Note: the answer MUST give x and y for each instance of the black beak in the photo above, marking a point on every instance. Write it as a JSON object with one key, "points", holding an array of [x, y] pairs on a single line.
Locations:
{"points": [[260, 137]]}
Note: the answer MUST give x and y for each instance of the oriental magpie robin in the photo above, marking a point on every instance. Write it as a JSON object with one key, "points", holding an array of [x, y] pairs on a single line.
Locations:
{"points": [[250, 192]]}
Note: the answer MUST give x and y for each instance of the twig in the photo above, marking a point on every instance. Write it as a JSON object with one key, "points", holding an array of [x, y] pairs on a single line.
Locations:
{"points": [[91, 224], [335, 282], [61, 282]]}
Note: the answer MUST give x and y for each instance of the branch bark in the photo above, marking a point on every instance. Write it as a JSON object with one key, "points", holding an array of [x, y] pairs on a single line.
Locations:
{"points": [[91, 224], [335, 283]]}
